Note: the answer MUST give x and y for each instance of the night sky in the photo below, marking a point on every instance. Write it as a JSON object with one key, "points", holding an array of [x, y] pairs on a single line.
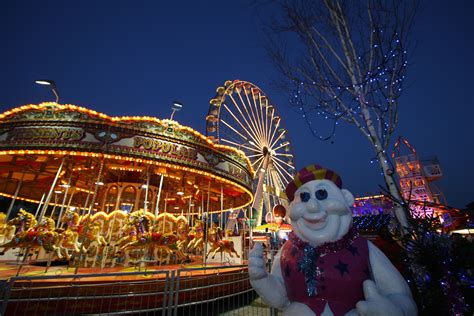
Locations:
{"points": [[136, 57]]}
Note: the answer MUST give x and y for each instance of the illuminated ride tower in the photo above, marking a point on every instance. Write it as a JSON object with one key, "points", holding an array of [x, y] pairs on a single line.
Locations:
{"points": [[416, 177]]}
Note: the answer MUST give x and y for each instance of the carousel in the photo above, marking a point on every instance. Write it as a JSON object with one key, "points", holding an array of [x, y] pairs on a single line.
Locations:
{"points": [[117, 191]]}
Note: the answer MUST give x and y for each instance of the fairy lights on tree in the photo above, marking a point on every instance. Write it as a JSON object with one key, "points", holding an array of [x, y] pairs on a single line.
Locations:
{"points": [[347, 63]]}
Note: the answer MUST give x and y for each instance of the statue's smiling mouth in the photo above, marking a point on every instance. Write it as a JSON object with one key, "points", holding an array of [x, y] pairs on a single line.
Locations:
{"points": [[316, 222]]}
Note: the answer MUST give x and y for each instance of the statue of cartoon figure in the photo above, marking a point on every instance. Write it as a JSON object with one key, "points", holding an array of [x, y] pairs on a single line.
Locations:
{"points": [[325, 267]]}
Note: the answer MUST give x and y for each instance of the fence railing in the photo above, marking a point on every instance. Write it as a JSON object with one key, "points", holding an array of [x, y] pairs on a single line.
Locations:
{"points": [[190, 291]]}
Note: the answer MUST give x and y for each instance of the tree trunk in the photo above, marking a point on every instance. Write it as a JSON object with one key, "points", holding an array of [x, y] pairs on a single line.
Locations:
{"points": [[389, 177]]}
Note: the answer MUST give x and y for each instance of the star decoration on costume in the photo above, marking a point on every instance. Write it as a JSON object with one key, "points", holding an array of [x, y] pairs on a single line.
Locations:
{"points": [[342, 267], [353, 250]]}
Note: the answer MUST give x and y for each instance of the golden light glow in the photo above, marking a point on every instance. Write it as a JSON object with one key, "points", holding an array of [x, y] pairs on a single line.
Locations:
{"points": [[140, 160], [369, 197], [120, 119]]}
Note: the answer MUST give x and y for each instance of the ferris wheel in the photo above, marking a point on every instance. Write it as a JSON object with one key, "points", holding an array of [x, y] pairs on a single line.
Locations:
{"points": [[241, 116]]}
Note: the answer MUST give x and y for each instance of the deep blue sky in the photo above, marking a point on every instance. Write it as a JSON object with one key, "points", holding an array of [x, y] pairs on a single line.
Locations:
{"points": [[136, 57]]}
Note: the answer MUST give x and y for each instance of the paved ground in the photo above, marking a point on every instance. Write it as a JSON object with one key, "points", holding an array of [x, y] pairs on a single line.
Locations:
{"points": [[255, 308]]}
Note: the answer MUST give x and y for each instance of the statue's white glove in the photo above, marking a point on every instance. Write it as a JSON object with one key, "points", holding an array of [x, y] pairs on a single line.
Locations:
{"points": [[257, 269], [375, 303]]}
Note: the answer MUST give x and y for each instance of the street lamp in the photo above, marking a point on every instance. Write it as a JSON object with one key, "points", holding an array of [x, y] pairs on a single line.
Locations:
{"points": [[177, 106], [51, 84]]}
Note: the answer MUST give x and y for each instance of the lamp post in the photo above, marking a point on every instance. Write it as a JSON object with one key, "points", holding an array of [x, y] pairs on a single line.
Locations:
{"points": [[51, 84], [177, 106]]}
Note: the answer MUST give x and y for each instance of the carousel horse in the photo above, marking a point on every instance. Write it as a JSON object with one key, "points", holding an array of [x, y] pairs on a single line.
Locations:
{"points": [[23, 222], [166, 222], [41, 235], [136, 239], [69, 238], [114, 232], [197, 243], [7, 231], [142, 236], [94, 243], [164, 246], [184, 234], [46, 234], [218, 244]]}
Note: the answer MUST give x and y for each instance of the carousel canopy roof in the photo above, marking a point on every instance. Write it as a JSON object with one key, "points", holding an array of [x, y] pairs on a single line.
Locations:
{"points": [[117, 150]]}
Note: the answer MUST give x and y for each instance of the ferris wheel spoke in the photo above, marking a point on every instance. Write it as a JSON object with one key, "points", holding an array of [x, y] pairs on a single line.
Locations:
{"points": [[236, 131], [278, 138], [269, 131], [259, 165], [251, 116], [278, 185], [239, 145], [281, 176], [264, 114], [282, 145], [256, 155], [257, 108], [240, 123], [281, 154], [255, 116], [266, 119], [284, 162], [277, 124], [256, 161], [279, 167], [271, 186], [251, 126]]}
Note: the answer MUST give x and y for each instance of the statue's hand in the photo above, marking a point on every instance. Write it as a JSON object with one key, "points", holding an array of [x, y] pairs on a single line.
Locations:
{"points": [[375, 303], [257, 263]]}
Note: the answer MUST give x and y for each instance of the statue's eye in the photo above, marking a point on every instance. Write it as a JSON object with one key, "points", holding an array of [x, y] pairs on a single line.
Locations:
{"points": [[321, 194], [304, 196]]}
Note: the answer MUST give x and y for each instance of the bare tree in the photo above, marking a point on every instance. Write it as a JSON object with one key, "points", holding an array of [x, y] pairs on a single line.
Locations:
{"points": [[347, 63]]}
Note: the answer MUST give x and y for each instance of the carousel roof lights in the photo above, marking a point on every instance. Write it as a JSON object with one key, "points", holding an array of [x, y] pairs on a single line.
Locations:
{"points": [[103, 116], [58, 191], [99, 183], [180, 193]]}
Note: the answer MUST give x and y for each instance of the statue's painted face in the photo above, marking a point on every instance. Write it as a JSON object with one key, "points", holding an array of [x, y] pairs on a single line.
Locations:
{"points": [[320, 212]]}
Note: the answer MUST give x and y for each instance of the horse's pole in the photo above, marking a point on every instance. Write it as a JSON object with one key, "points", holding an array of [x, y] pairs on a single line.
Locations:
{"points": [[10, 208], [64, 200], [145, 208], [221, 220], [39, 205], [158, 196], [55, 204], [205, 225], [50, 193], [97, 184], [164, 217], [189, 208]]}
